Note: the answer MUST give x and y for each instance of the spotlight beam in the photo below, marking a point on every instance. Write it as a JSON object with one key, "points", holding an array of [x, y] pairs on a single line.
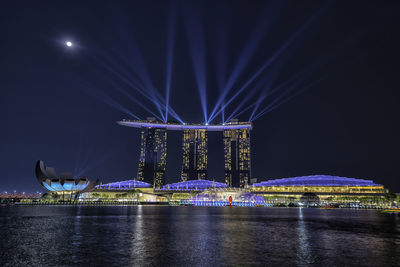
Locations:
{"points": [[195, 35], [221, 51], [256, 37], [134, 100], [244, 101], [268, 91], [127, 81], [135, 55], [265, 82], [316, 65], [270, 79], [274, 105], [130, 83], [241, 112], [236, 94], [108, 100], [170, 54], [264, 94], [269, 61], [287, 91]]}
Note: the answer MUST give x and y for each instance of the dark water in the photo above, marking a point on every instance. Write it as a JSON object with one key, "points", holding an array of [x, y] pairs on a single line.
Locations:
{"points": [[201, 236]]}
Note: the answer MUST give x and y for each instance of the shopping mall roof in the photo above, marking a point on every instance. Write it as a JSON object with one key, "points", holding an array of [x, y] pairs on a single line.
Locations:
{"points": [[179, 127], [124, 185], [193, 185], [317, 180]]}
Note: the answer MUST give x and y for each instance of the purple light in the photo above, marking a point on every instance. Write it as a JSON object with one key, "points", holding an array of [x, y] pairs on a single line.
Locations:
{"points": [[193, 185], [245, 199], [108, 100], [121, 75], [179, 127], [317, 180], [221, 55], [135, 100], [214, 113], [236, 111], [255, 39], [195, 35], [124, 185], [276, 102], [170, 55]]}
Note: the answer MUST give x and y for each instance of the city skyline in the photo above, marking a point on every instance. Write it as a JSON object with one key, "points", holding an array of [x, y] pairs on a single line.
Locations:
{"points": [[331, 74], [199, 133]]}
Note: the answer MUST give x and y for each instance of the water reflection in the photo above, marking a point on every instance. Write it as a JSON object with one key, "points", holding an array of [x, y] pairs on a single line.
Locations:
{"points": [[304, 251], [204, 236], [236, 234], [138, 237], [77, 236]]}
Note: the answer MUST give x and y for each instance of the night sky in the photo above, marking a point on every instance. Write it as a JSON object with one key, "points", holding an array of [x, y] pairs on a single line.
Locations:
{"points": [[60, 104]]}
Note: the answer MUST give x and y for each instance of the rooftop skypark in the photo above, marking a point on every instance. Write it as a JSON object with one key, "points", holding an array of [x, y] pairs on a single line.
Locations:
{"points": [[179, 126]]}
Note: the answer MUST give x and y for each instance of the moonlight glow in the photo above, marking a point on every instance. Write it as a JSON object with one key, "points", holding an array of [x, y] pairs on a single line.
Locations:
{"points": [[68, 43]]}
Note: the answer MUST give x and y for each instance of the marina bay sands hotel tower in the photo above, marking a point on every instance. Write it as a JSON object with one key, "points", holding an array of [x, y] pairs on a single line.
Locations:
{"points": [[194, 154], [153, 151]]}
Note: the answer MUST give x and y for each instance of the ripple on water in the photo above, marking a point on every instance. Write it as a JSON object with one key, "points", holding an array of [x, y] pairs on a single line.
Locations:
{"points": [[202, 236]]}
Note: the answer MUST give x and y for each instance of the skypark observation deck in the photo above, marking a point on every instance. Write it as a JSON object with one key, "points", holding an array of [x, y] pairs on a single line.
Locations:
{"points": [[179, 127]]}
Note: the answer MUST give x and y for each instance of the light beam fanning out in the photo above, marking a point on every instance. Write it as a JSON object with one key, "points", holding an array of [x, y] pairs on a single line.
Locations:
{"points": [[88, 88], [170, 55], [277, 102], [258, 34], [215, 111]]}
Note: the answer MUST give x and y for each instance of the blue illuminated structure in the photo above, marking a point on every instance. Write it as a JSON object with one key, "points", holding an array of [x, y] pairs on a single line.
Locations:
{"points": [[221, 198], [124, 185], [196, 185], [317, 180], [180, 127], [63, 185], [47, 178]]}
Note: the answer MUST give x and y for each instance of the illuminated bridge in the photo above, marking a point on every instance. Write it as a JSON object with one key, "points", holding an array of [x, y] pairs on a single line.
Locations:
{"points": [[153, 151]]}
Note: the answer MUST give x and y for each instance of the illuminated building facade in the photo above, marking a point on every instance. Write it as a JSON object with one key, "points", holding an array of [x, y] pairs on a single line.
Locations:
{"points": [[153, 156], [324, 186], [65, 186], [124, 185], [197, 185], [194, 154], [314, 190], [194, 150], [237, 157]]}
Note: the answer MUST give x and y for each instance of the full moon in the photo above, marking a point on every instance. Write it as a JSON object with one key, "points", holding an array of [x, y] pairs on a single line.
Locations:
{"points": [[68, 43]]}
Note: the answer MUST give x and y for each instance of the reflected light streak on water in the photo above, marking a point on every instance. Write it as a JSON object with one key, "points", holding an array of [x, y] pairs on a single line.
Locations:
{"points": [[304, 253], [138, 237]]}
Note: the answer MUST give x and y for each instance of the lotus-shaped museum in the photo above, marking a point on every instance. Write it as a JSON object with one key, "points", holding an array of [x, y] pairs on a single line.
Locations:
{"points": [[47, 178]]}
